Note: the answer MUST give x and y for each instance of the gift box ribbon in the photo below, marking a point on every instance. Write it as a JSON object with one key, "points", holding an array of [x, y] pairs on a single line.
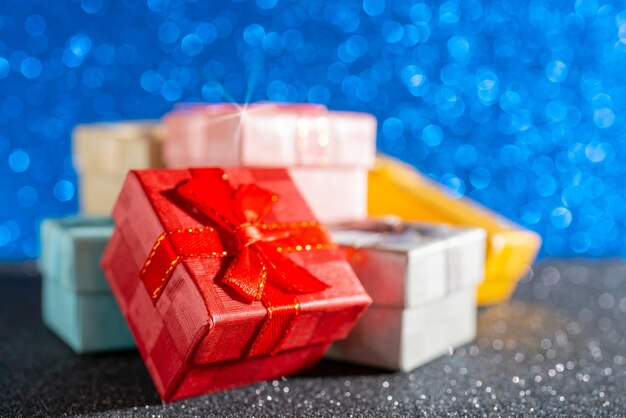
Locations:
{"points": [[260, 269]]}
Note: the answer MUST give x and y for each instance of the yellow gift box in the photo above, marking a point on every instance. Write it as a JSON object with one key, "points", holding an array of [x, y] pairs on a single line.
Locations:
{"points": [[398, 189]]}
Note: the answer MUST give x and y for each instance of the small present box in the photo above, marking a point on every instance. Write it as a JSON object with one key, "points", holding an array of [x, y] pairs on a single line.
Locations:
{"points": [[103, 154], [327, 153], [404, 339], [77, 303], [226, 278], [423, 280], [398, 189]]}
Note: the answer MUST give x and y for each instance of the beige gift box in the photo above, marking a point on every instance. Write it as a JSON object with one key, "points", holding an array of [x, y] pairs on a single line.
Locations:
{"points": [[105, 152]]}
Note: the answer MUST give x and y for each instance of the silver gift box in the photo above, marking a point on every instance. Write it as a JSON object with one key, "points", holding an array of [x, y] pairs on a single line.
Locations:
{"points": [[404, 339], [405, 265], [422, 279]]}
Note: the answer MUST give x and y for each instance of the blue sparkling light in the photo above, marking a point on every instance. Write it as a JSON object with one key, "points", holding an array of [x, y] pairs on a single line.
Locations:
{"points": [[556, 71], [192, 44], [459, 48], [91, 6], [604, 117], [520, 106], [374, 7], [5, 68], [254, 34], [561, 217], [5, 236], [168, 32], [35, 25], [27, 196], [432, 135], [19, 160], [266, 4], [63, 190], [31, 67]]}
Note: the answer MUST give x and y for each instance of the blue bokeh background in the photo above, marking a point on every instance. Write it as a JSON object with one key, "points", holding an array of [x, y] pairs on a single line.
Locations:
{"points": [[519, 106]]}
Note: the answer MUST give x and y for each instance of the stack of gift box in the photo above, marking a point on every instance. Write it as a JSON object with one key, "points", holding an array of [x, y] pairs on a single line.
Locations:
{"points": [[274, 236]]}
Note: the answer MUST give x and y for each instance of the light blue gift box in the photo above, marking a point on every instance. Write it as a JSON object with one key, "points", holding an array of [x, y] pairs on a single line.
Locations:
{"points": [[77, 303]]}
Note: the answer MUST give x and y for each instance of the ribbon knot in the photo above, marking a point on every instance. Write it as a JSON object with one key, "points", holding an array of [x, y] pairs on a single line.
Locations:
{"points": [[248, 234], [260, 268]]}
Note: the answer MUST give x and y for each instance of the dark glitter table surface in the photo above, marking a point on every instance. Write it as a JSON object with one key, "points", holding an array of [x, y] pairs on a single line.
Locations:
{"points": [[557, 349]]}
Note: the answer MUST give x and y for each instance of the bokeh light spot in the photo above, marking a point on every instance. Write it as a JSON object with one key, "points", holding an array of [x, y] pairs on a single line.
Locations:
{"points": [[31, 67], [254, 34], [480, 178], [266, 4], [432, 135], [556, 71], [191, 44], [168, 32], [63, 190], [459, 48], [4, 68], [35, 25], [374, 7], [91, 6], [27, 196], [19, 160], [604, 118], [561, 218]]}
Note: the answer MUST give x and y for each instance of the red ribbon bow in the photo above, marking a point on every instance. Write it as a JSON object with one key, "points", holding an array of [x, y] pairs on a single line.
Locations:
{"points": [[260, 269]]}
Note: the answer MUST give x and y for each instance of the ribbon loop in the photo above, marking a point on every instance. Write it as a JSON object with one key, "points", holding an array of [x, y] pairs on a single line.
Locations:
{"points": [[260, 269]]}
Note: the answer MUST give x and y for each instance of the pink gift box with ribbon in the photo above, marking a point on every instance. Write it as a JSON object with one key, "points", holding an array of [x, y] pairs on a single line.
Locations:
{"points": [[327, 152]]}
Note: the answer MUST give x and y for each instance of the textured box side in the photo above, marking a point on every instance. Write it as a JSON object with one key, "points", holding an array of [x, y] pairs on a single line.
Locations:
{"points": [[404, 339], [71, 248], [88, 323], [466, 258], [374, 341], [426, 274], [143, 320], [431, 330], [101, 323], [112, 148], [98, 193], [230, 374], [48, 261], [60, 313], [81, 247]]}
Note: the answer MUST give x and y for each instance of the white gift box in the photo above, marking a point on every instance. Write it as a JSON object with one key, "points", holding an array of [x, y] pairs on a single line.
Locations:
{"points": [[422, 279]]}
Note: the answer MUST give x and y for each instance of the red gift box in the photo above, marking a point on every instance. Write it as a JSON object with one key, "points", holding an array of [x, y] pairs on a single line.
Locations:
{"points": [[225, 277]]}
